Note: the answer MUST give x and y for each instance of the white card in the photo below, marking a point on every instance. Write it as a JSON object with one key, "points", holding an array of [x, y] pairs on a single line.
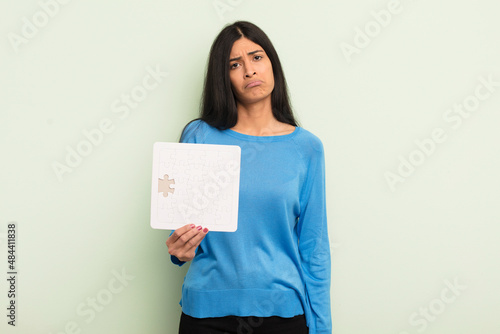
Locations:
{"points": [[195, 184]]}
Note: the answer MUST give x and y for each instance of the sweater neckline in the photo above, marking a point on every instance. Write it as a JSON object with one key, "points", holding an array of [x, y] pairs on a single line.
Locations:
{"points": [[262, 138]]}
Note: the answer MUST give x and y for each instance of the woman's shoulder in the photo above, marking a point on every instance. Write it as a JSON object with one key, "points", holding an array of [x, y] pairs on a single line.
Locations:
{"points": [[194, 131], [308, 140], [195, 123]]}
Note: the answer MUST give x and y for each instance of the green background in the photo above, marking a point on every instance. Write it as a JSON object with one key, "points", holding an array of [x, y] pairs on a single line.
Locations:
{"points": [[392, 249]]}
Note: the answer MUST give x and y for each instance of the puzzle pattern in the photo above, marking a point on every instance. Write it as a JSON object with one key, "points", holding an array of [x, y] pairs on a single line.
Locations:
{"points": [[194, 187], [164, 186]]}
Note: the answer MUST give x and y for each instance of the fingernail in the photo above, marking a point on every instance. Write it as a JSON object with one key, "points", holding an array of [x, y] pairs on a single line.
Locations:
{"points": [[192, 225], [199, 227], [205, 230]]}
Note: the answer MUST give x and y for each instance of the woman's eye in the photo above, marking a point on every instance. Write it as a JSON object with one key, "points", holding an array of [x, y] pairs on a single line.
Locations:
{"points": [[258, 56], [233, 65]]}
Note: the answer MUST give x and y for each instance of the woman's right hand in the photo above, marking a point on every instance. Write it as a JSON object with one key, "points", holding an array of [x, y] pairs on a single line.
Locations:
{"points": [[183, 242]]}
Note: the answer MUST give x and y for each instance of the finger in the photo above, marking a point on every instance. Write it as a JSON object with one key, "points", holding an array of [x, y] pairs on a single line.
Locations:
{"points": [[185, 240], [197, 239], [181, 231]]}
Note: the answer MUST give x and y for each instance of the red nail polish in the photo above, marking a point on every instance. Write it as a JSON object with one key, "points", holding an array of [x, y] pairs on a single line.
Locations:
{"points": [[192, 225], [205, 230], [199, 227]]}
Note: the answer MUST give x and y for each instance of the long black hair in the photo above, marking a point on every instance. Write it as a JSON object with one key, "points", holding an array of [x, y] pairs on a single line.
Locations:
{"points": [[218, 103]]}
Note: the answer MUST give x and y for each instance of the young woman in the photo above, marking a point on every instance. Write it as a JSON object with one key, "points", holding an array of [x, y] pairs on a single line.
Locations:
{"points": [[273, 274]]}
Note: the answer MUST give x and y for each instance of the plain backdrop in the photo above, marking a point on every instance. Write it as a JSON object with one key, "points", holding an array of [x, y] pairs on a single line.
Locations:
{"points": [[405, 96]]}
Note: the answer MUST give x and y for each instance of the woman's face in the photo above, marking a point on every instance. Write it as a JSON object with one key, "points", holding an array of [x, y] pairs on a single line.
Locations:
{"points": [[250, 71]]}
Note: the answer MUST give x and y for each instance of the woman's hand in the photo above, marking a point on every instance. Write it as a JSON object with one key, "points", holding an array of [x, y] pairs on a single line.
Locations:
{"points": [[183, 242]]}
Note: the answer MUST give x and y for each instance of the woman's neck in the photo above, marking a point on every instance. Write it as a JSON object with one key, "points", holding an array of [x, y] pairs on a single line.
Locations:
{"points": [[257, 119]]}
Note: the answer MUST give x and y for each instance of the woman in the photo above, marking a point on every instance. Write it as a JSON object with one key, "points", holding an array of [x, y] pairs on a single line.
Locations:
{"points": [[273, 274]]}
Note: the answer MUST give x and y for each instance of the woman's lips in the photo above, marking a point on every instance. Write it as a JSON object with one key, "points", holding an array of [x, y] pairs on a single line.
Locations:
{"points": [[254, 83]]}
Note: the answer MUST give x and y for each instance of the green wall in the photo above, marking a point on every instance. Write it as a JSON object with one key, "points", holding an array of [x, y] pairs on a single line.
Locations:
{"points": [[404, 94]]}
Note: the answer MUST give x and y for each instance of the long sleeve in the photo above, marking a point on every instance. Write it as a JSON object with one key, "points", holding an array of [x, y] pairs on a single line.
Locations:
{"points": [[314, 245], [190, 135]]}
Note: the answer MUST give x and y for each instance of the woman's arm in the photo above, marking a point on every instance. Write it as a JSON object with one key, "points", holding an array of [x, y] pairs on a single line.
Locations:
{"points": [[314, 246], [181, 241]]}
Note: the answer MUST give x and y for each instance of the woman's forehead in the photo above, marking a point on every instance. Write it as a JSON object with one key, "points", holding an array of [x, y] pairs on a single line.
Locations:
{"points": [[244, 45]]}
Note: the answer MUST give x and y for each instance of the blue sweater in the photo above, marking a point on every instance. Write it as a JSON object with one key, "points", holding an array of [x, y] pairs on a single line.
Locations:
{"points": [[278, 261]]}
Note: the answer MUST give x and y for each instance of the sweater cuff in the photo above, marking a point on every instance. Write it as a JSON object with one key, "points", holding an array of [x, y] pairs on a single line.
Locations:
{"points": [[176, 261]]}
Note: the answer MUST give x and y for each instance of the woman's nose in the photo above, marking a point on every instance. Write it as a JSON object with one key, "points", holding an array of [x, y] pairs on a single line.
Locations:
{"points": [[249, 71]]}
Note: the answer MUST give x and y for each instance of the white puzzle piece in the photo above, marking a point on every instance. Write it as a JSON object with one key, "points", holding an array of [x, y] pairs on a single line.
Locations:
{"points": [[195, 184]]}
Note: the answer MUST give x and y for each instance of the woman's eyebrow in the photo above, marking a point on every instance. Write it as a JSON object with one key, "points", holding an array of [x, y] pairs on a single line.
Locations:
{"points": [[250, 53]]}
